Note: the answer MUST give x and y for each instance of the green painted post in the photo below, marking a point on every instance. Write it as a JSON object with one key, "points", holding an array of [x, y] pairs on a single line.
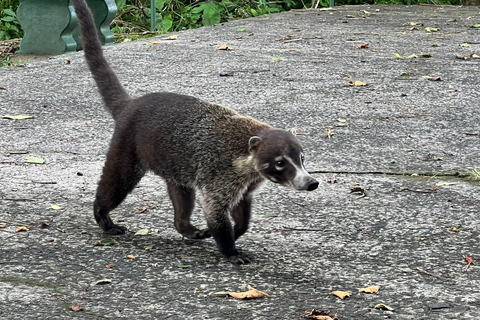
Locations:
{"points": [[332, 4], [51, 26], [44, 22], [104, 11], [153, 15]]}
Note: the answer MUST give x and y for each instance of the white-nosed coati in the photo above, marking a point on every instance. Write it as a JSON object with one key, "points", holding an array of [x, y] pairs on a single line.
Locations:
{"points": [[195, 146]]}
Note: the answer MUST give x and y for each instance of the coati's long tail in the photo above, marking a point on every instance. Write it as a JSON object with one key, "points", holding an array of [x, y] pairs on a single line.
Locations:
{"points": [[114, 95]]}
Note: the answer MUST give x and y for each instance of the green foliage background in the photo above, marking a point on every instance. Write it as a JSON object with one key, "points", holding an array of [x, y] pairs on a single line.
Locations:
{"points": [[134, 16]]}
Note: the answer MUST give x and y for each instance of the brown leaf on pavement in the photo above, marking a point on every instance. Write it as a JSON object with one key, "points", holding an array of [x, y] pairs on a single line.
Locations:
{"points": [[252, 293]]}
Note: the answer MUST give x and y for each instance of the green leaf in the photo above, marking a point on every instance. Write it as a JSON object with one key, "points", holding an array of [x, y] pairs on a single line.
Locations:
{"points": [[397, 55], [464, 45], [159, 4], [342, 120], [17, 117], [8, 19], [183, 266], [240, 29], [353, 39], [142, 232], [149, 248], [105, 242], [476, 25], [36, 160], [270, 215], [9, 12], [167, 22], [120, 3], [211, 13], [55, 207]]}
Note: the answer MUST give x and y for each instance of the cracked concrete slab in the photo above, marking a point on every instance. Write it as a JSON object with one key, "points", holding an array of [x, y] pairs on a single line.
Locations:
{"points": [[404, 142]]}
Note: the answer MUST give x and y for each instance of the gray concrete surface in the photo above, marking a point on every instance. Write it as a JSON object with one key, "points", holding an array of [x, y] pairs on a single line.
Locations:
{"points": [[405, 140]]}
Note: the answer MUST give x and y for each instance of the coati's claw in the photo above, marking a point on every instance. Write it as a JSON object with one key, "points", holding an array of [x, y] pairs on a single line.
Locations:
{"points": [[116, 229], [239, 259], [202, 234], [197, 234]]}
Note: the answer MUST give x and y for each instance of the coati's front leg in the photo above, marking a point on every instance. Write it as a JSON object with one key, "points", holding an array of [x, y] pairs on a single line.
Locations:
{"points": [[121, 173], [241, 215], [183, 200], [216, 210]]}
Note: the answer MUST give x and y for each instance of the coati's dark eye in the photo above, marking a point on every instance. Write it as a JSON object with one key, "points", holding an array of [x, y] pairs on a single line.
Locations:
{"points": [[281, 163]]}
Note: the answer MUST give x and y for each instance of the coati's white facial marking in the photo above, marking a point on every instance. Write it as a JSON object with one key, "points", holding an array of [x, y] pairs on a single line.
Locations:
{"points": [[302, 177], [263, 166], [272, 179]]}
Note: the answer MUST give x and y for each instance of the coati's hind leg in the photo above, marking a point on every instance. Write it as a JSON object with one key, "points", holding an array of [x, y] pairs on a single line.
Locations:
{"points": [[241, 215], [183, 200], [121, 173]]}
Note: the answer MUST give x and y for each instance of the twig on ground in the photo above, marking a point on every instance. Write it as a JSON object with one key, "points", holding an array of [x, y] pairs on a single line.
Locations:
{"points": [[433, 275]]}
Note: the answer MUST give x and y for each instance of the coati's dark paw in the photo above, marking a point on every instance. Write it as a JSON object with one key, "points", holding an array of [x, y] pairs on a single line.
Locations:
{"points": [[239, 259], [116, 229], [202, 234], [193, 233]]}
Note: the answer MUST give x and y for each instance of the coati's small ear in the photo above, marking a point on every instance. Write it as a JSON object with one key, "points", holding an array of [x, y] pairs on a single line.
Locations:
{"points": [[254, 142], [293, 131]]}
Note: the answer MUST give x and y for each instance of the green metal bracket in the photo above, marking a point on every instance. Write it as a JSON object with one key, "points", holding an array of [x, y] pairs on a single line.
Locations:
{"points": [[153, 15], [51, 26]]}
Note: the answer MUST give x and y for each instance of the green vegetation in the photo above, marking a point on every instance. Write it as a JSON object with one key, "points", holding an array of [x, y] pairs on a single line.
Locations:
{"points": [[134, 16], [9, 25], [473, 175]]}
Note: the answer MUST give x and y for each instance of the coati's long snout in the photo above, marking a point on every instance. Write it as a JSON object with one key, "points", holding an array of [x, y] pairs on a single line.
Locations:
{"points": [[195, 146]]}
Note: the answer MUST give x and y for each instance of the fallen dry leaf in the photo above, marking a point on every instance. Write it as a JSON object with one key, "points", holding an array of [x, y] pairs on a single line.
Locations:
{"points": [[371, 289], [252, 293], [341, 294], [320, 315], [225, 47], [362, 46], [469, 261], [131, 256], [21, 229], [435, 79], [329, 133], [109, 266], [76, 307], [154, 42], [355, 84], [140, 210], [382, 306], [172, 37]]}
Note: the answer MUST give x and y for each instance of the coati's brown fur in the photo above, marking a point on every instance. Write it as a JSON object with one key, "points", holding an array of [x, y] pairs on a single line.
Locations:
{"points": [[195, 146]]}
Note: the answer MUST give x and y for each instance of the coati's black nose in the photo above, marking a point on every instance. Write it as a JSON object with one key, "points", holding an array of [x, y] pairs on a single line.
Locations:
{"points": [[312, 185]]}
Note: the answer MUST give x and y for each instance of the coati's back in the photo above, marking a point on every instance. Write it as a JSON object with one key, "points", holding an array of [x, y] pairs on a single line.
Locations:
{"points": [[178, 135]]}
